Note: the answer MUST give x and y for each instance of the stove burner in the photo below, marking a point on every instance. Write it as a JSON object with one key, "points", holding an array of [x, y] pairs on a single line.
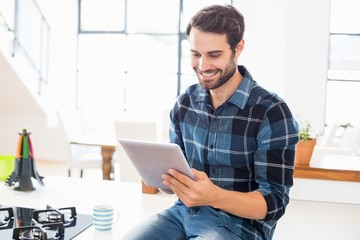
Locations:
{"points": [[64, 215], [54, 217], [39, 232], [6, 215], [21, 223]]}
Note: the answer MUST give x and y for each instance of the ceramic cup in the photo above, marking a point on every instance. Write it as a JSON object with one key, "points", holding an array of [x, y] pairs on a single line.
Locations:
{"points": [[103, 217]]}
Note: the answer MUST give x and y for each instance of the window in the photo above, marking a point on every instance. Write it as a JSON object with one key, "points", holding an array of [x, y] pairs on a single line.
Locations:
{"points": [[132, 57], [343, 84], [105, 15], [23, 23]]}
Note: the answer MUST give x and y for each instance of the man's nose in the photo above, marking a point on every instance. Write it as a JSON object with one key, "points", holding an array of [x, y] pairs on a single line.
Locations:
{"points": [[204, 63]]}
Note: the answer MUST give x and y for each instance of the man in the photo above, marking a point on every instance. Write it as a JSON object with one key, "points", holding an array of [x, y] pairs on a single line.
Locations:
{"points": [[238, 138]]}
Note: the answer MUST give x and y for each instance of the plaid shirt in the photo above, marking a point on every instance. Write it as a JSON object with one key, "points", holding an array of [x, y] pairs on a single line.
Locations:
{"points": [[246, 144]]}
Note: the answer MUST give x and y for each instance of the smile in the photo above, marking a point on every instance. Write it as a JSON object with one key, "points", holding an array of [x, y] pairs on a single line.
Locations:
{"points": [[208, 74]]}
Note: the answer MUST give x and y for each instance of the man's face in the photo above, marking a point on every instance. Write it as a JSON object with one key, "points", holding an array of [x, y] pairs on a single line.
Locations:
{"points": [[212, 59]]}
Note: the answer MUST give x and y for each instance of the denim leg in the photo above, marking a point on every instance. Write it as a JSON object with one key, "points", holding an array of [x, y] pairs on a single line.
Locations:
{"points": [[201, 224], [162, 226], [180, 223]]}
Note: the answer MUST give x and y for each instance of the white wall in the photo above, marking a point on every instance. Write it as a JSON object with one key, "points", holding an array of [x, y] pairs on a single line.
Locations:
{"points": [[286, 50], [62, 18], [46, 140], [15, 97], [307, 59], [265, 42]]}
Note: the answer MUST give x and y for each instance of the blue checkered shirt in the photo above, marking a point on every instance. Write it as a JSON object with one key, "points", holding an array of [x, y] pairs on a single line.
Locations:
{"points": [[246, 144]]}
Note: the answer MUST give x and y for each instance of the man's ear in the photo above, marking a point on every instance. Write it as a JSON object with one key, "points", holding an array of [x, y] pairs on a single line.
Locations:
{"points": [[239, 47]]}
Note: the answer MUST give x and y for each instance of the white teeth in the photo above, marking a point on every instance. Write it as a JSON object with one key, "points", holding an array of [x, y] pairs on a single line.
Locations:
{"points": [[207, 74]]}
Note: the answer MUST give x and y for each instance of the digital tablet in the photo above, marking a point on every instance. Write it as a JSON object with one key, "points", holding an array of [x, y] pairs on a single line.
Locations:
{"points": [[153, 159]]}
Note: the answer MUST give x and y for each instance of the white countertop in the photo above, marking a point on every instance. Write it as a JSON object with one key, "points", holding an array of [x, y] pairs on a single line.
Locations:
{"points": [[303, 220], [341, 162], [85, 193]]}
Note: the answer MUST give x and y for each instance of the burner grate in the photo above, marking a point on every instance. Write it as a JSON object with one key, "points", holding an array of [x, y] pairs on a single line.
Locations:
{"points": [[19, 223], [64, 215], [49, 231], [6, 215]]}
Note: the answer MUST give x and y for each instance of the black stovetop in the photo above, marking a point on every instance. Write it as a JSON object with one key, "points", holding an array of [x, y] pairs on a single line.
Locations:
{"points": [[71, 223]]}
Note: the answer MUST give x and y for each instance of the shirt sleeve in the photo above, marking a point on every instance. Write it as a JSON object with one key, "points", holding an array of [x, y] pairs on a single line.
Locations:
{"points": [[274, 158]]}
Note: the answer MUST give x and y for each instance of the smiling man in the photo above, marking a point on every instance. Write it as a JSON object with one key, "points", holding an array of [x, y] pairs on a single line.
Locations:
{"points": [[238, 138]]}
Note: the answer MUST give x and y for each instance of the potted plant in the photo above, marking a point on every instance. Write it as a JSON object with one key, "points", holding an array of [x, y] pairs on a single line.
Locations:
{"points": [[305, 146]]}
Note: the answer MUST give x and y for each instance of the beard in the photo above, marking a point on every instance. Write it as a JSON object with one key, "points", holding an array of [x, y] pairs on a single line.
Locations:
{"points": [[225, 75]]}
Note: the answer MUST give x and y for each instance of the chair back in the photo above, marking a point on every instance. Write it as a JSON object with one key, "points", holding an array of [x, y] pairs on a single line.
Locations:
{"points": [[132, 130]]}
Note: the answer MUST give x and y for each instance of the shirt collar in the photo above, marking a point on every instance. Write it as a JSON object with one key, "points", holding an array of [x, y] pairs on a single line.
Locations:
{"points": [[242, 93]]}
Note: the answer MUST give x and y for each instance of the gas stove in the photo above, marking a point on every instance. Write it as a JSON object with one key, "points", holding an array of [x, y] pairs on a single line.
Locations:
{"points": [[20, 223]]}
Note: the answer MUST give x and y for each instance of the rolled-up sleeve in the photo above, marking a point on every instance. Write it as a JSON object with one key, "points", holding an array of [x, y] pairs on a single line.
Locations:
{"points": [[274, 159]]}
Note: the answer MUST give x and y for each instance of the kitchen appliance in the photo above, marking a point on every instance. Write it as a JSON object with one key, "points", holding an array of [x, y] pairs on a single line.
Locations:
{"points": [[21, 223], [25, 167]]}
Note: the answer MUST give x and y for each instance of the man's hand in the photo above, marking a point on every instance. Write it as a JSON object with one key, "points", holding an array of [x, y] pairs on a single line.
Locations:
{"points": [[198, 192], [202, 192]]}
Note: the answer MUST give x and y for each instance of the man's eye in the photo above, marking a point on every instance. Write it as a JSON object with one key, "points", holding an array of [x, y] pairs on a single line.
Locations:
{"points": [[214, 55], [195, 54]]}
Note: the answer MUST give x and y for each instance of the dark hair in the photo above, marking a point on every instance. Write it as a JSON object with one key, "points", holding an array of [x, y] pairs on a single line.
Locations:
{"points": [[219, 19]]}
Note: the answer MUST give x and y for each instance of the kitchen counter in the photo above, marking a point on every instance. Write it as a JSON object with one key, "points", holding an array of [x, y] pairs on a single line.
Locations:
{"points": [[303, 220], [330, 167], [84, 193]]}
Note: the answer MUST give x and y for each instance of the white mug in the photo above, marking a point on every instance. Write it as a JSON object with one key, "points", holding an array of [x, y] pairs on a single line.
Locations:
{"points": [[103, 217]]}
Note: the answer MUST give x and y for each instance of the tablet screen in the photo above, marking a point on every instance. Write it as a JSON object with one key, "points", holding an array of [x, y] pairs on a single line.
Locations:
{"points": [[153, 159]]}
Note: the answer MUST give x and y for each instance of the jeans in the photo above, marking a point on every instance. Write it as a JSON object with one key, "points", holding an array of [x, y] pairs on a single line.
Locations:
{"points": [[180, 222]]}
